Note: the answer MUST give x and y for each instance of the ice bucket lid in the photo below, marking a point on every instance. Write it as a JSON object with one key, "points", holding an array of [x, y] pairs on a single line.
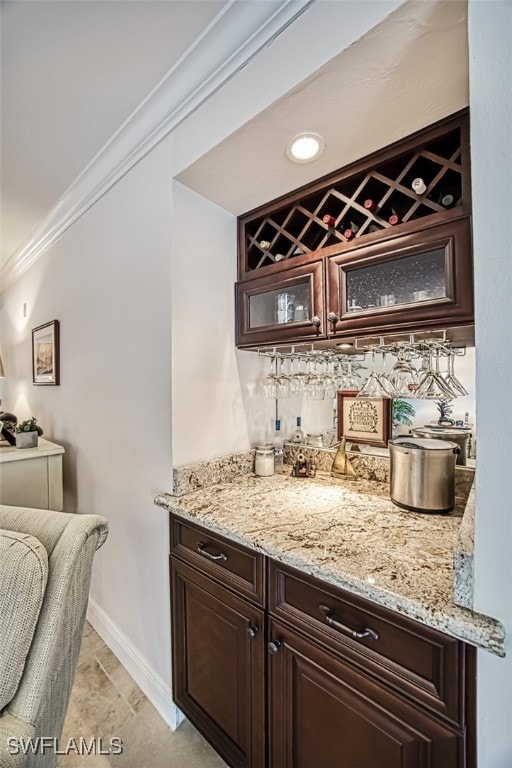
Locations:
{"points": [[424, 444], [441, 431]]}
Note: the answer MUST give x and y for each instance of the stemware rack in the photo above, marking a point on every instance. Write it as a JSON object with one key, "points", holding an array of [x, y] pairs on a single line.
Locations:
{"points": [[433, 346]]}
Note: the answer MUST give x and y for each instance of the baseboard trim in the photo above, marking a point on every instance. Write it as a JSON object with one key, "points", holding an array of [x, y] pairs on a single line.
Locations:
{"points": [[149, 681]]}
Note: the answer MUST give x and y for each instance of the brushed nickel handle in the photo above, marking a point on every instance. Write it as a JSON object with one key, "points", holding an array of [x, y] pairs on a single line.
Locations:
{"points": [[315, 320], [356, 634], [253, 631], [332, 317], [274, 647], [219, 557]]}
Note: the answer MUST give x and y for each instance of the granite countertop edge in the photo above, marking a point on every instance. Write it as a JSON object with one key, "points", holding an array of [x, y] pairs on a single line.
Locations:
{"points": [[455, 620]]}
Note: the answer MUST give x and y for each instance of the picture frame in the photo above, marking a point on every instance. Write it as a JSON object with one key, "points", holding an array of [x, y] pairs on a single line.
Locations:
{"points": [[365, 420], [46, 354]]}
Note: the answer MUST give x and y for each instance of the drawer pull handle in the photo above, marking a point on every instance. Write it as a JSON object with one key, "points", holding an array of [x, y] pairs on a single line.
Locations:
{"points": [[220, 557], [356, 634], [252, 631], [274, 647]]}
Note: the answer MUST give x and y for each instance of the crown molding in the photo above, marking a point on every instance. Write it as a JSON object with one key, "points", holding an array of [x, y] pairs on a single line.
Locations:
{"points": [[238, 32]]}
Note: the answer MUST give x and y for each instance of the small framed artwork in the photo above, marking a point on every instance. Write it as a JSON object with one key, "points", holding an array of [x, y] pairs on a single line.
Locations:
{"points": [[364, 420], [45, 354]]}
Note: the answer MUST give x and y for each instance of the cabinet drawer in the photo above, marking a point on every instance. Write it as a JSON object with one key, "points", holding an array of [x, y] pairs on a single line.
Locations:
{"points": [[227, 562], [423, 663]]}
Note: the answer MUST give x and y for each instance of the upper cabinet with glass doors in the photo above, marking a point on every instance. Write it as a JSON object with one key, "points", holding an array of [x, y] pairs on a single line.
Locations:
{"points": [[383, 245]]}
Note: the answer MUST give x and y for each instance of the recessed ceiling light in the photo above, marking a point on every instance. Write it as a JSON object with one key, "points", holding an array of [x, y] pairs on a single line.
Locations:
{"points": [[305, 147]]}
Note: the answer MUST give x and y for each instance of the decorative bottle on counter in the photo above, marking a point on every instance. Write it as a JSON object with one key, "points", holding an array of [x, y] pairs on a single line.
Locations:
{"points": [[278, 447], [298, 435]]}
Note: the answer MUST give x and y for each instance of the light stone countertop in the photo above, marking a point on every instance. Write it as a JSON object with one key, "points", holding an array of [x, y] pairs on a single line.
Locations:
{"points": [[348, 534]]}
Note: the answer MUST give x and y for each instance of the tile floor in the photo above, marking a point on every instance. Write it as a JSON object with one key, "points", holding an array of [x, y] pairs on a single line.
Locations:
{"points": [[106, 702]]}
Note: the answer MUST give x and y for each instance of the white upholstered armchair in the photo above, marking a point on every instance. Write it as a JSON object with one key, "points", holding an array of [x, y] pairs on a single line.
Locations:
{"points": [[45, 571]]}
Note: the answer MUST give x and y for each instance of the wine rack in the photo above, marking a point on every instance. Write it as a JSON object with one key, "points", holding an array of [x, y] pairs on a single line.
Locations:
{"points": [[371, 200]]}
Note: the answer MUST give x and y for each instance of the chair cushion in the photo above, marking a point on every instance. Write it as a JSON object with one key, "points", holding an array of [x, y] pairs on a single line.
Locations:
{"points": [[23, 577]]}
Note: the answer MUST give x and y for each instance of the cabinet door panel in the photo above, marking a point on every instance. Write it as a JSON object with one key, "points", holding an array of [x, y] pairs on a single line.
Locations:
{"points": [[218, 666], [280, 308], [420, 662], [325, 714], [412, 281]]}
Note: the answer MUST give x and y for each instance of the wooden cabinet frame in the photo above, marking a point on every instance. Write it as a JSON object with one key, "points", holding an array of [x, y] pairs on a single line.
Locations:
{"points": [[454, 238], [303, 330]]}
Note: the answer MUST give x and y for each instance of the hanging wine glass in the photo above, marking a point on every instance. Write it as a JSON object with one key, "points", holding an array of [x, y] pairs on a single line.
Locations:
{"points": [[270, 382], [352, 381], [315, 386], [330, 387], [384, 379], [433, 386], [298, 377], [403, 376], [450, 377], [373, 386], [283, 382]]}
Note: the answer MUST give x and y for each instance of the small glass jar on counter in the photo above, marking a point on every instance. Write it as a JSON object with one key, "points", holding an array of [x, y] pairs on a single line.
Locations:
{"points": [[264, 460]]}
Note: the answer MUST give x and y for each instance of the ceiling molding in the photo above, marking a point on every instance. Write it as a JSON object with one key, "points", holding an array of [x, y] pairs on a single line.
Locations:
{"points": [[230, 41]]}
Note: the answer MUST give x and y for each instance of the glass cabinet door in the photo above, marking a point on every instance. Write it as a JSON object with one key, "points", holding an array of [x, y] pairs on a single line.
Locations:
{"points": [[410, 280], [281, 307]]}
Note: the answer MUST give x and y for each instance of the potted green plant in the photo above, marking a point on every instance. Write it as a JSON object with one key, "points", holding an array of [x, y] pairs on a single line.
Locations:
{"points": [[28, 433], [403, 415]]}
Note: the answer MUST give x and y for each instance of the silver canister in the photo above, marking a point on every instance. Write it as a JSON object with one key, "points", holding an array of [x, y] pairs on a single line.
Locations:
{"points": [[264, 460], [422, 474], [460, 436]]}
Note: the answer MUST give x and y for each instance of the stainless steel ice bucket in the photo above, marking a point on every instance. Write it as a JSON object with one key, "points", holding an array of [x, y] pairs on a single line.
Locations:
{"points": [[422, 474]]}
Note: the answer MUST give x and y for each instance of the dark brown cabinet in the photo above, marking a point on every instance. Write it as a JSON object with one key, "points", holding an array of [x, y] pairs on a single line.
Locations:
{"points": [[325, 714], [354, 685], [284, 307], [413, 281], [381, 246], [277, 668], [219, 642]]}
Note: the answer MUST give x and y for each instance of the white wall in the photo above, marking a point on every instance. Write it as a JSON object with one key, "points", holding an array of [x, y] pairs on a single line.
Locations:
{"points": [[490, 30], [212, 412], [107, 280]]}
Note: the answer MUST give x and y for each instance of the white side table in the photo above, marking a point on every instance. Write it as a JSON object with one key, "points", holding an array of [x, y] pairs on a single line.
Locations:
{"points": [[32, 477]]}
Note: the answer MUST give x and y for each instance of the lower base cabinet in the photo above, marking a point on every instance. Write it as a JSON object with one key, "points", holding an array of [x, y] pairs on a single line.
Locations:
{"points": [[219, 665], [280, 670], [324, 714]]}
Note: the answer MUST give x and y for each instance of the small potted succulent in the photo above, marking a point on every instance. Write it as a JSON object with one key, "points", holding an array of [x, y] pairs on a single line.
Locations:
{"points": [[445, 409], [28, 433]]}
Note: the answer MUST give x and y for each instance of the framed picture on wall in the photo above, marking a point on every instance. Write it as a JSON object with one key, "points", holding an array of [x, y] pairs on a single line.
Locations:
{"points": [[364, 420], [45, 354]]}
